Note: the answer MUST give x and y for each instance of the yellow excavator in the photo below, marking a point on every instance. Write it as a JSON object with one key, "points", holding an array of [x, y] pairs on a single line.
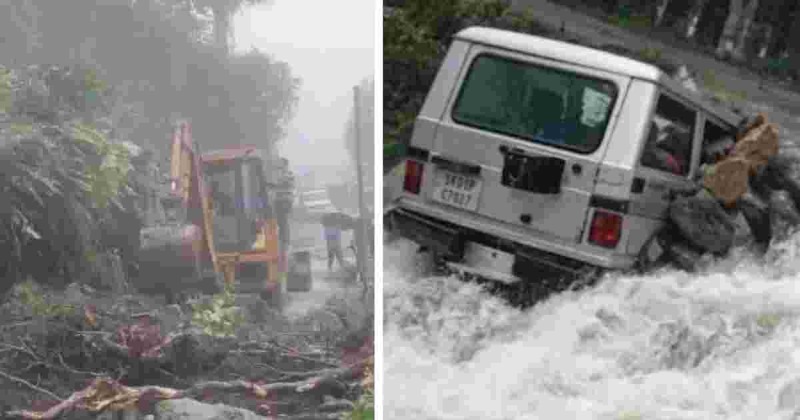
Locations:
{"points": [[220, 226]]}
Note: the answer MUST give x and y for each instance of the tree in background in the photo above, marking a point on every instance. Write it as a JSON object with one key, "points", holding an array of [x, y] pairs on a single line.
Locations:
{"points": [[264, 115], [416, 36], [736, 29], [153, 55], [695, 13], [120, 71], [220, 13]]}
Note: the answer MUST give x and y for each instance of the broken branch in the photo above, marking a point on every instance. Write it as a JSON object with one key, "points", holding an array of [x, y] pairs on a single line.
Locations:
{"points": [[29, 385]]}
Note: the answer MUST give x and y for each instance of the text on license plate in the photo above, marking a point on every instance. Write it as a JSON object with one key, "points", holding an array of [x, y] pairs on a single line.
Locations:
{"points": [[457, 190]]}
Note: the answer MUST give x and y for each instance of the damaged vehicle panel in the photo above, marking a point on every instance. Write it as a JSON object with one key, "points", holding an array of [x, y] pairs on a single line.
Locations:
{"points": [[532, 155]]}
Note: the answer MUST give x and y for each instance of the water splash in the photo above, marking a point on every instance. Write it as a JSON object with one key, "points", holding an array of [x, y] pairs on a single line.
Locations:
{"points": [[723, 343]]}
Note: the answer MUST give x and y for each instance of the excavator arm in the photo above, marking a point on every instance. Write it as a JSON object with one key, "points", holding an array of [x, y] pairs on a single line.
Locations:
{"points": [[188, 183]]}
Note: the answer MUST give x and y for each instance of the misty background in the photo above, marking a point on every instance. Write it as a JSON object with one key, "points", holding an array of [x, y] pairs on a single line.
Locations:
{"points": [[277, 74], [330, 56]]}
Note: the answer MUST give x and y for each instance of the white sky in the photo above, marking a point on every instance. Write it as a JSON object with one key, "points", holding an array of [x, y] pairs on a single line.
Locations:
{"points": [[330, 46]]}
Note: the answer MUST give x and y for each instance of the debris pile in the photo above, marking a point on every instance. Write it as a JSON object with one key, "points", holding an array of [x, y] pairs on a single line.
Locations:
{"points": [[748, 194], [65, 358]]}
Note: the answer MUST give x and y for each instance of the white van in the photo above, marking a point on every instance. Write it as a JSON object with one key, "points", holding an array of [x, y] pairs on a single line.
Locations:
{"points": [[531, 154]]}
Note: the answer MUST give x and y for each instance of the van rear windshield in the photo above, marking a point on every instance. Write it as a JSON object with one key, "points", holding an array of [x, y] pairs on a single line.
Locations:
{"points": [[535, 103]]}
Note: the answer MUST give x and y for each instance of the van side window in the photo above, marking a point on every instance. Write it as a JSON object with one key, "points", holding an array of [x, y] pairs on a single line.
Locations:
{"points": [[535, 103], [669, 142], [718, 141]]}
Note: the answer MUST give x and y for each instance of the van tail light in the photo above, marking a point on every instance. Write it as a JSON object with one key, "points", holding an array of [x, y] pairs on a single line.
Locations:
{"points": [[413, 178], [606, 229]]}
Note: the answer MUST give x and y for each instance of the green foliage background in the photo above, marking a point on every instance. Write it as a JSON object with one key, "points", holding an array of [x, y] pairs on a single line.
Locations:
{"points": [[417, 34]]}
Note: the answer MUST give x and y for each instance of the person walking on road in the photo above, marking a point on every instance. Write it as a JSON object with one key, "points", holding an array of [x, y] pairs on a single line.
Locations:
{"points": [[333, 240]]}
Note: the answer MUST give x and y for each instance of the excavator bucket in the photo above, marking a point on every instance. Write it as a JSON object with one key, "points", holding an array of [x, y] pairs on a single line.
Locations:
{"points": [[173, 252]]}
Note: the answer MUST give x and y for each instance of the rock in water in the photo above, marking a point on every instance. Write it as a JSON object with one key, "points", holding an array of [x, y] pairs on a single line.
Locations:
{"points": [[783, 173], [758, 145], [682, 255], [186, 409], [727, 180], [756, 213], [784, 216], [781, 202], [749, 123], [743, 234], [703, 221]]}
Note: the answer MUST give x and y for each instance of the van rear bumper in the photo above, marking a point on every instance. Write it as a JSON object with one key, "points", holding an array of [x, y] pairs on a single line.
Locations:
{"points": [[449, 241], [442, 237]]}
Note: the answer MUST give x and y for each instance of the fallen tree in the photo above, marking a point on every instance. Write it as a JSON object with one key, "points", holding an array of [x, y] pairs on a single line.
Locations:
{"points": [[134, 352], [107, 394]]}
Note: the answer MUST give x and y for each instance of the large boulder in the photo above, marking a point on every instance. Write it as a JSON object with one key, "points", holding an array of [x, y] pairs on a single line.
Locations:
{"points": [[784, 215], [188, 409], [756, 146], [703, 222], [727, 180], [757, 214]]}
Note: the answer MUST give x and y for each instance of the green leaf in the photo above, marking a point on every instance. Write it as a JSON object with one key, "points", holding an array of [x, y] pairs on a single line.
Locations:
{"points": [[768, 320], [21, 129], [6, 95]]}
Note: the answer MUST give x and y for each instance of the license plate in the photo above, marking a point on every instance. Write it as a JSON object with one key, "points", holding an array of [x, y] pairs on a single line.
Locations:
{"points": [[457, 190]]}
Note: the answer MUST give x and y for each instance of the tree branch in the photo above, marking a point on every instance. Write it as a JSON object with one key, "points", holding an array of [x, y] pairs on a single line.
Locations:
{"points": [[117, 396], [29, 385]]}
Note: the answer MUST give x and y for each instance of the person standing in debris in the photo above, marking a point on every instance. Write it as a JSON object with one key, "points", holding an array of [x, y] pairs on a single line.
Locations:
{"points": [[284, 198], [333, 239]]}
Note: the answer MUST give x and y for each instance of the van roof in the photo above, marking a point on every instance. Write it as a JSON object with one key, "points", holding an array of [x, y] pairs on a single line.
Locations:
{"points": [[563, 51], [587, 57]]}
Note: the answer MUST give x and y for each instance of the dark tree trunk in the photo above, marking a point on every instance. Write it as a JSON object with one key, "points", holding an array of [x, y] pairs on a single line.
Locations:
{"points": [[792, 46], [693, 19], [221, 25]]}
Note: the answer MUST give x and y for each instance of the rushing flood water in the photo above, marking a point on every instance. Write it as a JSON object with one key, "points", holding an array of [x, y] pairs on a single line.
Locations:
{"points": [[720, 344]]}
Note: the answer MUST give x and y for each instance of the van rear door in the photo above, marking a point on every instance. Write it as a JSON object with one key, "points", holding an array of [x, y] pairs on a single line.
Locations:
{"points": [[520, 141]]}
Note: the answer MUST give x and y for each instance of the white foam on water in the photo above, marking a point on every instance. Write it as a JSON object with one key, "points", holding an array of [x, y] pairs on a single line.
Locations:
{"points": [[720, 344]]}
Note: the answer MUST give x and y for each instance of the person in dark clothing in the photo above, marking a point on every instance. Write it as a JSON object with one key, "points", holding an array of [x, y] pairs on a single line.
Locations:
{"points": [[333, 239]]}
